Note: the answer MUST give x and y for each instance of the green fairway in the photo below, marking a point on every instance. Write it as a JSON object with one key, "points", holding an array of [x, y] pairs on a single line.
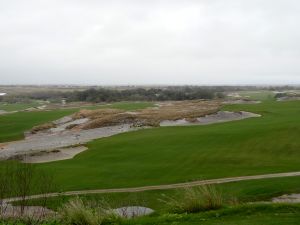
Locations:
{"points": [[268, 144], [258, 95], [17, 106], [12, 126]]}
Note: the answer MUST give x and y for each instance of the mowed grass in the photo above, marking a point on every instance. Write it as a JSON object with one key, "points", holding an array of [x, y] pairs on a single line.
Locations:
{"points": [[258, 95], [17, 106], [269, 144], [239, 215], [13, 126], [237, 192]]}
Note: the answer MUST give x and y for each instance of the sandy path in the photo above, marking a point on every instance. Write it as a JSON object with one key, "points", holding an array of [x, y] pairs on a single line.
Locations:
{"points": [[161, 187]]}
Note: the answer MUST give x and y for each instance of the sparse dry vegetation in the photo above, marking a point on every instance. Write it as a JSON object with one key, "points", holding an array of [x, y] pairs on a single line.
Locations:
{"points": [[78, 212], [202, 198], [42, 127], [189, 110]]}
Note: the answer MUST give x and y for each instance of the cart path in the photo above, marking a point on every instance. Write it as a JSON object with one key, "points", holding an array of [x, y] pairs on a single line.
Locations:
{"points": [[159, 187]]}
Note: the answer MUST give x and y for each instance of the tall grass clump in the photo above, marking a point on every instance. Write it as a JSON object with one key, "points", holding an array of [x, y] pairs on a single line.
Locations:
{"points": [[78, 212], [75, 212], [193, 200]]}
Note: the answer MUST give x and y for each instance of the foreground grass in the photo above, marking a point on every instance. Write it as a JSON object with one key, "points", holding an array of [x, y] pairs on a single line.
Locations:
{"points": [[238, 192], [13, 126], [240, 215], [269, 144], [260, 214]]}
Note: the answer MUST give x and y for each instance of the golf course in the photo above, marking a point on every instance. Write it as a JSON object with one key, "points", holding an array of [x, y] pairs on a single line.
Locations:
{"points": [[179, 154], [268, 144]]}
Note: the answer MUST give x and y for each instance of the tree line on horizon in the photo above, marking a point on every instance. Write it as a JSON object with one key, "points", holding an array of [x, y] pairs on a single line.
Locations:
{"points": [[167, 93]]}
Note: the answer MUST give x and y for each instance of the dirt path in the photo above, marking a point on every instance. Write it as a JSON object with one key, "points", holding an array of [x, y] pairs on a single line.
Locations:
{"points": [[161, 187]]}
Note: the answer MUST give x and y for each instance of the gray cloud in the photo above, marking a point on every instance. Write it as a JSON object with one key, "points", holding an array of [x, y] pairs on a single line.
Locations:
{"points": [[150, 42]]}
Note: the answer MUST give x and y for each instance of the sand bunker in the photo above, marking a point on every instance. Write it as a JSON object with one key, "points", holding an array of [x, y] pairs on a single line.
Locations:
{"points": [[54, 155], [288, 98], [132, 211], [48, 142], [292, 198], [3, 112], [9, 211], [219, 117]]}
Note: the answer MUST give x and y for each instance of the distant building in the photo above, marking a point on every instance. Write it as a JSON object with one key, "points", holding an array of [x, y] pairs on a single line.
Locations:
{"points": [[2, 94]]}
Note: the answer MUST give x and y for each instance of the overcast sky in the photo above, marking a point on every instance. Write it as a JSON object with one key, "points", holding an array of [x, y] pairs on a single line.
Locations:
{"points": [[149, 42]]}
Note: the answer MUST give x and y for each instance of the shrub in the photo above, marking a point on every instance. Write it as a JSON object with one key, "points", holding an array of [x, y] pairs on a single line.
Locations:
{"points": [[194, 200], [42, 127], [75, 212]]}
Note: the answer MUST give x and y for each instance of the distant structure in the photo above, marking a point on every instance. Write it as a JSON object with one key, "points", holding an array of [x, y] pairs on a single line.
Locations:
{"points": [[2, 94], [63, 102]]}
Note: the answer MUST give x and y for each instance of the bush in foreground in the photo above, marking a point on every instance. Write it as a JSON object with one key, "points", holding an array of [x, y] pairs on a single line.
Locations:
{"points": [[77, 212], [195, 200]]}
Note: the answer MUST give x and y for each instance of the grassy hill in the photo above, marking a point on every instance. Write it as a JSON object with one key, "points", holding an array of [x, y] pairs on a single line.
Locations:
{"points": [[177, 154]]}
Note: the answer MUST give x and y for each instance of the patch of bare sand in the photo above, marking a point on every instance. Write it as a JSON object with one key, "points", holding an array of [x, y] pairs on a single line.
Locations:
{"points": [[292, 198], [37, 212], [3, 112], [219, 117], [50, 141], [54, 155]]}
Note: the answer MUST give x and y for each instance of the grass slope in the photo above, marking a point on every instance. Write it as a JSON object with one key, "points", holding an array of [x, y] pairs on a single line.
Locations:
{"points": [[12, 126], [241, 215], [268, 144]]}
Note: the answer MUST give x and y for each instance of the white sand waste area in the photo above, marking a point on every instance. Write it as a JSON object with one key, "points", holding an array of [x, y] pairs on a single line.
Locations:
{"points": [[46, 142], [132, 211], [54, 155], [219, 117], [292, 198], [9, 211], [56, 143]]}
